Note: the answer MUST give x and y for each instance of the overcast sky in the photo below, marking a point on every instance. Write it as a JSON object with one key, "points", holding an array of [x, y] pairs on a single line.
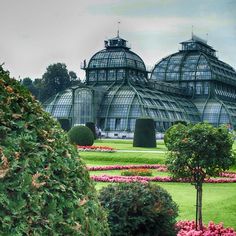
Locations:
{"points": [[37, 33]]}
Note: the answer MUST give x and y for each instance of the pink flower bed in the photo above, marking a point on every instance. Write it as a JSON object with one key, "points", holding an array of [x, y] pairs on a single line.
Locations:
{"points": [[96, 148], [225, 177], [161, 168], [187, 228]]}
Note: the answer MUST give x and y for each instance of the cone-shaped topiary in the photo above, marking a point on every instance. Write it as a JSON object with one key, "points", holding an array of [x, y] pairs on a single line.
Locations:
{"points": [[81, 135], [65, 124], [91, 126], [144, 134], [137, 209], [44, 187]]}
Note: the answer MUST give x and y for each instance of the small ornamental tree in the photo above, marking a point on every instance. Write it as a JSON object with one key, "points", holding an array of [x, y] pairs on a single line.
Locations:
{"points": [[45, 189], [81, 135], [174, 132], [137, 209], [144, 134], [183, 122], [196, 152]]}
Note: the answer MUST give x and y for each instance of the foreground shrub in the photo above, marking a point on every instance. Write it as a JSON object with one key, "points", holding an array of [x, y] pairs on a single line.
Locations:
{"points": [[81, 135], [137, 172], [44, 187], [137, 209], [144, 134]]}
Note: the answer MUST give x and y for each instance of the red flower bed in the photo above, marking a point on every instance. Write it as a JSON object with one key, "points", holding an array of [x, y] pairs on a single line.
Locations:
{"points": [[225, 177], [96, 148], [187, 228]]}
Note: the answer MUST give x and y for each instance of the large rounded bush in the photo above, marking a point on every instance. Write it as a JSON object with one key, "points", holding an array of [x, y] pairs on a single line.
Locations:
{"points": [[144, 134], [81, 135], [137, 209], [44, 187]]}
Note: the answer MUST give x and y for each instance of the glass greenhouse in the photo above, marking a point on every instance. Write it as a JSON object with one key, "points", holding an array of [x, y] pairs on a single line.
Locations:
{"points": [[212, 82], [191, 85]]}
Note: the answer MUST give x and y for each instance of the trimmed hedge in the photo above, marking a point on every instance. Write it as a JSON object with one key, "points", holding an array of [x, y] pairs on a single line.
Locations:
{"points": [[65, 124], [45, 189], [91, 126], [81, 135], [144, 134], [137, 209]]}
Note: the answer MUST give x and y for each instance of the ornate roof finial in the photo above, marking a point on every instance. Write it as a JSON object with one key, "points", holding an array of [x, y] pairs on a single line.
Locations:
{"points": [[118, 31], [192, 31]]}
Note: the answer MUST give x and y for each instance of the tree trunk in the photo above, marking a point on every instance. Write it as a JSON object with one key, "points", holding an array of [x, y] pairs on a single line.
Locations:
{"points": [[198, 225], [200, 206], [196, 219]]}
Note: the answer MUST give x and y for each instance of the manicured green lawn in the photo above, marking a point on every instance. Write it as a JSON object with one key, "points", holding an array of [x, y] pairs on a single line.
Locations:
{"points": [[127, 144], [101, 158], [219, 204]]}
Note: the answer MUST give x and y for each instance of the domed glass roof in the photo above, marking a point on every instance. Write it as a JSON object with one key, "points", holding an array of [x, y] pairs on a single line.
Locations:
{"points": [[196, 61], [116, 55]]}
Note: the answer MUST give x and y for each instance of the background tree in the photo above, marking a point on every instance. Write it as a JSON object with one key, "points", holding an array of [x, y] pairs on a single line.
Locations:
{"points": [[196, 152], [74, 80], [40, 87], [28, 83], [72, 75], [55, 79]]}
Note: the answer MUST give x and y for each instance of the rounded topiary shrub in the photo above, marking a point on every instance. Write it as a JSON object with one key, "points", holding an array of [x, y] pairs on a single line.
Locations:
{"points": [[137, 209], [91, 126], [144, 134], [81, 135], [45, 189]]}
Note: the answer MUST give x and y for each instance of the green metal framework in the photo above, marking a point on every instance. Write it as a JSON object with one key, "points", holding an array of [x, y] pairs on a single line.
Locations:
{"points": [[191, 85]]}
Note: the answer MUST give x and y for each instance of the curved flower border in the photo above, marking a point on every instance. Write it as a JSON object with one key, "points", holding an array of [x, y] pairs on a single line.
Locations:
{"points": [[225, 177], [96, 149]]}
